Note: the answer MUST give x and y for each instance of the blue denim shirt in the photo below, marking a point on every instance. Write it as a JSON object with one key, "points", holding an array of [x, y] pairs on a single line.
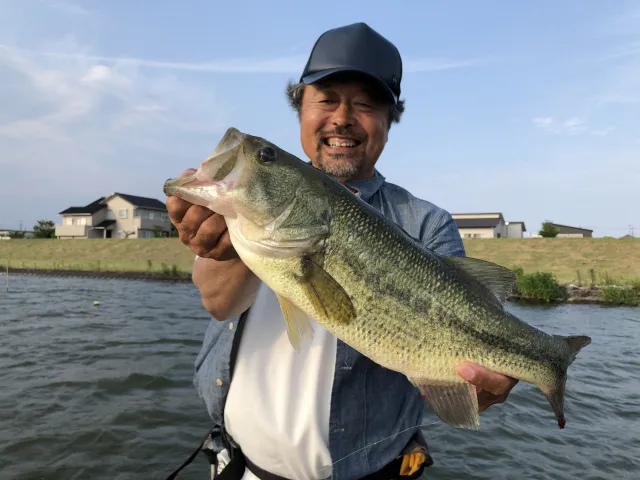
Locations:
{"points": [[369, 402]]}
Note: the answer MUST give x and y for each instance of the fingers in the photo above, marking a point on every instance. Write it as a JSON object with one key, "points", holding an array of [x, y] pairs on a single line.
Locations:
{"points": [[177, 207], [224, 249], [202, 230], [193, 220], [495, 383], [491, 387], [203, 236]]}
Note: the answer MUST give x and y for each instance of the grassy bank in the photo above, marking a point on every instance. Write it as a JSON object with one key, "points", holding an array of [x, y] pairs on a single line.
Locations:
{"points": [[157, 255], [569, 259], [607, 263]]}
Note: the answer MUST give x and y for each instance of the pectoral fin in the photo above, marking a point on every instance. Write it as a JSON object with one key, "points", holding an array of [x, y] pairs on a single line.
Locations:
{"points": [[326, 295], [298, 325], [455, 403]]}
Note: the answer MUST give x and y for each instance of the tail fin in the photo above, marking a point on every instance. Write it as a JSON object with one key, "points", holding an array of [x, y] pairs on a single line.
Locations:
{"points": [[555, 396], [576, 343]]}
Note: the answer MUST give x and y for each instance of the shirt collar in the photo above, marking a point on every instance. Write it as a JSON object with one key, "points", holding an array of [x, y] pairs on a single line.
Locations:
{"points": [[369, 186]]}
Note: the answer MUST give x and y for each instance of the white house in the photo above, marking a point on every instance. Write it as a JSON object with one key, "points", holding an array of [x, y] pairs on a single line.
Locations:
{"points": [[487, 225], [118, 215]]}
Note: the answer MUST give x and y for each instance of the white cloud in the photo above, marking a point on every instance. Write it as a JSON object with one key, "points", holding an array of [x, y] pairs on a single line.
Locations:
{"points": [[559, 185], [72, 130], [87, 95], [440, 64], [603, 132], [630, 50], [571, 126], [277, 64], [67, 7], [543, 122]]}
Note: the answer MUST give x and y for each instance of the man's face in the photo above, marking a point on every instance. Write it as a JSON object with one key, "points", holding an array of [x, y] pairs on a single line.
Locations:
{"points": [[343, 128]]}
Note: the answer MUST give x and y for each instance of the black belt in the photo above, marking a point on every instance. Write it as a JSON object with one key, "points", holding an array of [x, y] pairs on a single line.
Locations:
{"points": [[235, 469]]}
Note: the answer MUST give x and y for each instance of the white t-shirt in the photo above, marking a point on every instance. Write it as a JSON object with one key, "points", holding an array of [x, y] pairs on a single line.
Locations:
{"points": [[279, 400]]}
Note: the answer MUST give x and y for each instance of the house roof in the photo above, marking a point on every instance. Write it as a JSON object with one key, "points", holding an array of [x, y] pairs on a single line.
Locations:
{"points": [[90, 209], [573, 228], [477, 222], [100, 203], [478, 213], [524, 228], [142, 202]]}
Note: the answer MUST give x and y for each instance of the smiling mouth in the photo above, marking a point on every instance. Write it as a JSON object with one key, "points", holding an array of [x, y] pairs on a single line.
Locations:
{"points": [[341, 142]]}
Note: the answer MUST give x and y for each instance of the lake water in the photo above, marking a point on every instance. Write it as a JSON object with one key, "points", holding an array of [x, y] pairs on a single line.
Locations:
{"points": [[105, 392]]}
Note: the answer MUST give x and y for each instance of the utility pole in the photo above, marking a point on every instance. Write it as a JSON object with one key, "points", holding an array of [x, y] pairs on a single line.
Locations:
{"points": [[631, 229]]}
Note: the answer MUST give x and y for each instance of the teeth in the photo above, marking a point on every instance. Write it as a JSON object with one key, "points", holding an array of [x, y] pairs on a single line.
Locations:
{"points": [[335, 143]]}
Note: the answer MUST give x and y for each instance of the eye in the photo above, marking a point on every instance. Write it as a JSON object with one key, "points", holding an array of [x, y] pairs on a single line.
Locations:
{"points": [[267, 155]]}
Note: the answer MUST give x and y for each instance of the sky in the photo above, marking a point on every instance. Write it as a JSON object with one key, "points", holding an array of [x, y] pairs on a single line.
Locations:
{"points": [[531, 109]]}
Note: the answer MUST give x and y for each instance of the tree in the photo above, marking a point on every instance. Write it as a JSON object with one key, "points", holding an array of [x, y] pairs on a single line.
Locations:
{"points": [[44, 229], [16, 234], [548, 230]]}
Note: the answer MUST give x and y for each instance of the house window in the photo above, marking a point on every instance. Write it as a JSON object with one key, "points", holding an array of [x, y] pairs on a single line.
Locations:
{"points": [[122, 213], [150, 215], [110, 215]]}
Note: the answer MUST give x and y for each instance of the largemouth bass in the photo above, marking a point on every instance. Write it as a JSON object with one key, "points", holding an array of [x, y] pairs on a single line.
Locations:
{"points": [[330, 256]]}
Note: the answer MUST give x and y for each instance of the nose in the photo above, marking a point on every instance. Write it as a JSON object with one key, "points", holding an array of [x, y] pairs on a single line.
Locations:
{"points": [[343, 115]]}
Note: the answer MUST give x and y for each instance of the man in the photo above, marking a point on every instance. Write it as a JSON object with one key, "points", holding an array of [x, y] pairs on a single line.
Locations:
{"points": [[326, 410]]}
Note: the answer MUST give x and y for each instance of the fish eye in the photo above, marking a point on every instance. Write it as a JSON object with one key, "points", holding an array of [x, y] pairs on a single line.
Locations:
{"points": [[267, 155]]}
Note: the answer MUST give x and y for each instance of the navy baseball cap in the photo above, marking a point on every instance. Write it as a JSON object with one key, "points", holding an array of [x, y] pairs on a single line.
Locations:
{"points": [[356, 48]]}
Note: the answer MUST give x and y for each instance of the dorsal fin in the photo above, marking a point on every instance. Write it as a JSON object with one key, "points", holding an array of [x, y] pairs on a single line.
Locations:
{"points": [[498, 280]]}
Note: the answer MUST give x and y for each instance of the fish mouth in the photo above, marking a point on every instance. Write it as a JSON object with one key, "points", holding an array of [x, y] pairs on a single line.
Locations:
{"points": [[172, 185], [210, 185], [213, 169]]}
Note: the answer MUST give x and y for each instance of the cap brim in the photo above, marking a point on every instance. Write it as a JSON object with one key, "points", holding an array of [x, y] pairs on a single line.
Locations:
{"points": [[314, 77]]}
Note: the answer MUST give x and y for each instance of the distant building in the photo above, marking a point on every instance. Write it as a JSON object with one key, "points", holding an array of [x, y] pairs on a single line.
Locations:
{"points": [[515, 229], [487, 225], [567, 231], [118, 215]]}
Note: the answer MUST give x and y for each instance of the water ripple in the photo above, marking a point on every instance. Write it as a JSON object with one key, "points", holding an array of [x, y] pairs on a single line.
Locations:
{"points": [[106, 392]]}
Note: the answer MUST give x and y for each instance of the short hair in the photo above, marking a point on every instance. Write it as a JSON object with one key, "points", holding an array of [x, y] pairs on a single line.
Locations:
{"points": [[295, 91]]}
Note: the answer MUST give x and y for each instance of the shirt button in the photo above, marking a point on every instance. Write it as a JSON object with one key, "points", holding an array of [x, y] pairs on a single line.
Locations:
{"points": [[231, 326], [218, 382]]}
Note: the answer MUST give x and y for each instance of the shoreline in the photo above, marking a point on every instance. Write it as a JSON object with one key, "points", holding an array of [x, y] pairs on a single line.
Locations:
{"points": [[120, 275], [574, 295]]}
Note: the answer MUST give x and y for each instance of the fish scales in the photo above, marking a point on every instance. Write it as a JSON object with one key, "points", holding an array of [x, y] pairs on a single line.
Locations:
{"points": [[431, 328]]}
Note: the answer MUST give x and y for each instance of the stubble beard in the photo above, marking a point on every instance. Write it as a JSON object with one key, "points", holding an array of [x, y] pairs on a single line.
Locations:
{"points": [[340, 166]]}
